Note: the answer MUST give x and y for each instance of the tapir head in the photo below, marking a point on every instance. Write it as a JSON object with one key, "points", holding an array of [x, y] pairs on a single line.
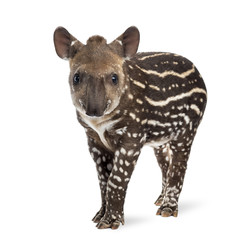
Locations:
{"points": [[97, 79]]}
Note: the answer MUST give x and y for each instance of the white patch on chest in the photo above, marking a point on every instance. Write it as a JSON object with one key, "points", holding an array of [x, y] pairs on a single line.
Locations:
{"points": [[100, 125]]}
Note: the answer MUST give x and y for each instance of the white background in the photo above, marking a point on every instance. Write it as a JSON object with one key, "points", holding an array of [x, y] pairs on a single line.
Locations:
{"points": [[48, 183]]}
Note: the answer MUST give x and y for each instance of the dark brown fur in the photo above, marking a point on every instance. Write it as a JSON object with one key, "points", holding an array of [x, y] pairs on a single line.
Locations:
{"points": [[126, 100]]}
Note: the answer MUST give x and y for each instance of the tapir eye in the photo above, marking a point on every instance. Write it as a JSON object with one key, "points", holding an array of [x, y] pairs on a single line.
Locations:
{"points": [[114, 79], [76, 79]]}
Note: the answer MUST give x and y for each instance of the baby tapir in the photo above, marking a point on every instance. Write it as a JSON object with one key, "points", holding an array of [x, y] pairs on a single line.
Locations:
{"points": [[126, 100]]}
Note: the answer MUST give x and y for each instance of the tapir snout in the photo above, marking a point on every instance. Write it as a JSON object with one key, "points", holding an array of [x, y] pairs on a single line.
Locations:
{"points": [[95, 104]]}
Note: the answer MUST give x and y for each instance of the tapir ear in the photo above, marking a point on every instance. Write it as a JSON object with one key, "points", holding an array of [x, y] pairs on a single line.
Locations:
{"points": [[65, 44], [129, 40]]}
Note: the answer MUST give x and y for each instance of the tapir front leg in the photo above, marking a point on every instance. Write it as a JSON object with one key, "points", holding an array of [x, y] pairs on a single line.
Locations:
{"points": [[124, 163], [104, 163]]}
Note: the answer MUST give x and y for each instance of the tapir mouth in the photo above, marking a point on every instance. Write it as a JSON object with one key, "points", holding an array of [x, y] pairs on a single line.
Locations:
{"points": [[96, 111]]}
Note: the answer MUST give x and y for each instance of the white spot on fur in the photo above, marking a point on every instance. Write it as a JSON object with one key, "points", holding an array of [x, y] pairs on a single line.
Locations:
{"points": [[95, 150], [132, 115], [123, 151], [134, 135], [117, 178], [130, 152], [154, 87], [136, 153], [139, 101], [117, 153], [130, 96], [112, 184], [127, 163], [137, 83], [99, 160], [187, 119], [121, 131], [109, 166], [73, 42], [195, 108], [144, 121], [120, 42]]}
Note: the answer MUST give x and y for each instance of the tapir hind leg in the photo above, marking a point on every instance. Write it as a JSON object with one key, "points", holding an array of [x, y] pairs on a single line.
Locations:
{"points": [[172, 159]]}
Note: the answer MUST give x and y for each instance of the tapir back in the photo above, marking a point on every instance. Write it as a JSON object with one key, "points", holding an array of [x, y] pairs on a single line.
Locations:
{"points": [[168, 73]]}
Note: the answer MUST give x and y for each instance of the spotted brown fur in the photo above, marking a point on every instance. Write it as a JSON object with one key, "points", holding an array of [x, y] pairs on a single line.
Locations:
{"points": [[126, 100]]}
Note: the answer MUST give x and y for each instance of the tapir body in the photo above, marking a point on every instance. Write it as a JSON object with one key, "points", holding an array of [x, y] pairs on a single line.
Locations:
{"points": [[126, 100]]}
